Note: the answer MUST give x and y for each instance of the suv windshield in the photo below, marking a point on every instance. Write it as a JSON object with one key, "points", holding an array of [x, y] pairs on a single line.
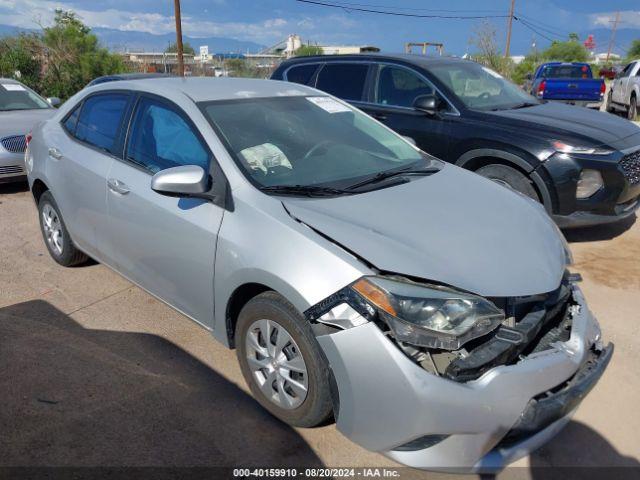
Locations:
{"points": [[480, 88], [309, 142], [14, 96]]}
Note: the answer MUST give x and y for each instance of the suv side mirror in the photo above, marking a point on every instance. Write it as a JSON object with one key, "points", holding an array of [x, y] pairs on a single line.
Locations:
{"points": [[427, 104], [183, 181], [53, 101]]}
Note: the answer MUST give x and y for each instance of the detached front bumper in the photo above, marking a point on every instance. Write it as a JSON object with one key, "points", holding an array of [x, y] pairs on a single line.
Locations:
{"points": [[386, 400]]}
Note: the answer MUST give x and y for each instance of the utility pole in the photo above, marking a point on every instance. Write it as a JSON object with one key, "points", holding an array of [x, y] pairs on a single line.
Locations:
{"points": [[179, 38], [510, 22], [613, 34]]}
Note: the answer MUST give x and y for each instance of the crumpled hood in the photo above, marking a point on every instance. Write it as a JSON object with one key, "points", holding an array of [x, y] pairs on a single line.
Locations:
{"points": [[452, 227], [21, 122], [561, 119]]}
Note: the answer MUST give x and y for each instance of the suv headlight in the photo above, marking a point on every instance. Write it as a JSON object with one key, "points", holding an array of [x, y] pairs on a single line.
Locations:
{"points": [[566, 148], [590, 182], [429, 316]]}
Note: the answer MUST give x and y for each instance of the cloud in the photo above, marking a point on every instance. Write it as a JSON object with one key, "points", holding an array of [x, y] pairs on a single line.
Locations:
{"points": [[628, 19], [31, 13]]}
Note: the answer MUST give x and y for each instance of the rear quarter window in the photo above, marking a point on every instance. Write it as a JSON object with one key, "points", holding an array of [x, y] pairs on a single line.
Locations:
{"points": [[343, 80], [301, 73]]}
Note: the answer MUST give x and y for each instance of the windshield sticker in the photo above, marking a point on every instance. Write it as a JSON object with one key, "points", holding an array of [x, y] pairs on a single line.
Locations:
{"points": [[265, 156], [13, 87], [491, 72], [329, 104]]}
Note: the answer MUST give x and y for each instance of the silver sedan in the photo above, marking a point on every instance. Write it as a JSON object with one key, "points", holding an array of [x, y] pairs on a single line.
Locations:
{"points": [[428, 310]]}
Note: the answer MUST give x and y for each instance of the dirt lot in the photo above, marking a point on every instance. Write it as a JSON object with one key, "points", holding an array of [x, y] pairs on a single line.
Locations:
{"points": [[95, 372]]}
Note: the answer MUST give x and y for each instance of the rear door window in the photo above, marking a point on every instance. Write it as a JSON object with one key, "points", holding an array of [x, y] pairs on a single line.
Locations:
{"points": [[301, 73], [71, 120], [161, 138], [100, 120], [400, 87], [343, 80]]}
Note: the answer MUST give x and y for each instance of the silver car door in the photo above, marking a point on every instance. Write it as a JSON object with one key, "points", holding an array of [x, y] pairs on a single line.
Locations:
{"points": [[82, 148], [164, 244]]}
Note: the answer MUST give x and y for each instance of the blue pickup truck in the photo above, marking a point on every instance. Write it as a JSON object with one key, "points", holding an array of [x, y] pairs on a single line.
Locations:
{"points": [[571, 83]]}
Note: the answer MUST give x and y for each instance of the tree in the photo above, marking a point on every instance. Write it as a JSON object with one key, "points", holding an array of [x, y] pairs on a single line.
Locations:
{"points": [[19, 57], [187, 49], [308, 51], [569, 51], [73, 56], [484, 39], [634, 50]]}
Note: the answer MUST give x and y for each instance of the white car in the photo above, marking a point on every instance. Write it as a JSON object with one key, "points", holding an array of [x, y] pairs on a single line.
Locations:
{"points": [[625, 91]]}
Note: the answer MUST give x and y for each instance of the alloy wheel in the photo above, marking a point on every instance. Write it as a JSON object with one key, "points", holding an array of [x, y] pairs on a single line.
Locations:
{"points": [[276, 364], [52, 229]]}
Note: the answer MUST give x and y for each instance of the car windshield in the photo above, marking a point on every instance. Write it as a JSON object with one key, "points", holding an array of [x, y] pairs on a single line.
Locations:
{"points": [[313, 141], [480, 88], [566, 71], [14, 96]]}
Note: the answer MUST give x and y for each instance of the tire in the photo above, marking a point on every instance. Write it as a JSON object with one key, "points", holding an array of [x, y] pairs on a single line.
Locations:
{"points": [[609, 105], [55, 234], [273, 386], [632, 111], [511, 178]]}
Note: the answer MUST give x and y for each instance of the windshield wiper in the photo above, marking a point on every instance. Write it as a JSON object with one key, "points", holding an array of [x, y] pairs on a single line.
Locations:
{"points": [[308, 190], [378, 177]]}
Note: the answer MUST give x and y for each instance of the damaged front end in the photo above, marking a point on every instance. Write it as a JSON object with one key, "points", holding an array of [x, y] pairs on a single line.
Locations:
{"points": [[496, 372]]}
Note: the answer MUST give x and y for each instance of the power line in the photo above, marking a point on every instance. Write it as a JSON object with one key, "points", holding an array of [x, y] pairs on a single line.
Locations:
{"points": [[415, 9], [533, 29], [398, 14]]}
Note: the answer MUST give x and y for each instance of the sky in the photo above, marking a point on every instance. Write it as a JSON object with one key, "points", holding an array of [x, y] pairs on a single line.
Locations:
{"points": [[269, 21]]}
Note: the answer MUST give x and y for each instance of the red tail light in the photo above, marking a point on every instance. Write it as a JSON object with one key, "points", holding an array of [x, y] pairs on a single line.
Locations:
{"points": [[28, 138], [603, 88], [541, 87]]}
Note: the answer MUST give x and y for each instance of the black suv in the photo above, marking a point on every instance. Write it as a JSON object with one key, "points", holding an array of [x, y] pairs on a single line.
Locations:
{"points": [[583, 165]]}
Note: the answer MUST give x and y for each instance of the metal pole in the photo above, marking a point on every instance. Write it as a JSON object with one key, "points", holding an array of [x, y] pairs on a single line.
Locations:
{"points": [[508, 47], [179, 38], [613, 34]]}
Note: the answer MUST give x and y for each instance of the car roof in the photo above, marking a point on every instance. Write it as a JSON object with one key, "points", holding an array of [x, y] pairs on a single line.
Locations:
{"points": [[204, 89], [420, 60], [126, 76], [9, 80]]}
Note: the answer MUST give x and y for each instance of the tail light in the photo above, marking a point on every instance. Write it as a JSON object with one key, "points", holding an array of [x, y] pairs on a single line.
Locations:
{"points": [[541, 87], [27, 138], [603, 88]]}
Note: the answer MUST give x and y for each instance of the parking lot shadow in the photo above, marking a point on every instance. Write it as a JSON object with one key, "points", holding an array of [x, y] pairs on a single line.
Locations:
{"points": [[71, 396], [579, 452], [14, 187], [599, 232]]}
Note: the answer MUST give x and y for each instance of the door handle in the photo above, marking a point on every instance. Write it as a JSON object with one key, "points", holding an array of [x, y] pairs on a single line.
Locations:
{"points": [[55, 153], [379, 116], [117, 186]]}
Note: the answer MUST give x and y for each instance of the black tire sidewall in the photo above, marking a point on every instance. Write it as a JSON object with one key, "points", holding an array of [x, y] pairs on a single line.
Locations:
{"points": [[509, 175], [316, 407], [69, 252], [633, 109]]}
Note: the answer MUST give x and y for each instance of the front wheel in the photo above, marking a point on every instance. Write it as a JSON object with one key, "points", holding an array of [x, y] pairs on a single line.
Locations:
{"points": [[282, 362], [609, 103], [511, 178]]}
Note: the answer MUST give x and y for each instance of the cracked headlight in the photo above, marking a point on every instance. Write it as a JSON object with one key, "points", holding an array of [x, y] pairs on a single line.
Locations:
{"points": [[429, 316]]}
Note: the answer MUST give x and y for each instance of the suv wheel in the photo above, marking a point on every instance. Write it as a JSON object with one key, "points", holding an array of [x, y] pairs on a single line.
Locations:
{"points": [[632, 111], [609, 103], [511, 178], [282, 362], [55, 234]]}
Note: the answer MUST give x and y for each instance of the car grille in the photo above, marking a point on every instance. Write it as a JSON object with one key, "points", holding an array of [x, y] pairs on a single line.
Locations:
{"points": [[11, 169], [15, 144], [630, 166]]}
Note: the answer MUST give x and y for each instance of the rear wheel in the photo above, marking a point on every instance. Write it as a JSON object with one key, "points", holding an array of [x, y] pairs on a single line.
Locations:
{"points": [[55, 234], [632, 111], [609, 104], [282, 361], [511, 178]]}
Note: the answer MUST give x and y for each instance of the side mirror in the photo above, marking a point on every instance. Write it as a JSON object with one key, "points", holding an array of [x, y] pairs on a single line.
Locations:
{"points": [[54, 101], [426, 103], [184, 181]]}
